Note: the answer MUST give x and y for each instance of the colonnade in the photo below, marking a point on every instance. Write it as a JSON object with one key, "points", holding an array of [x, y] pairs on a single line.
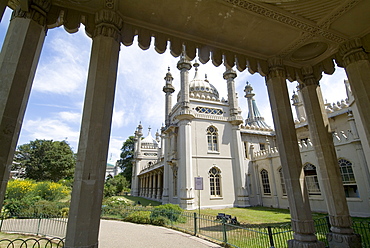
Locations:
{"points": [[18, 62], [151, 185]]}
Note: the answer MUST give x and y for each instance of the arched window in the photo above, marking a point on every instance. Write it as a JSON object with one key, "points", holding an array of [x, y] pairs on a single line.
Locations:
{"points": [[348, 178], [282, 182], [265, 182], [312, 182], [215, 181], [212, 138]]}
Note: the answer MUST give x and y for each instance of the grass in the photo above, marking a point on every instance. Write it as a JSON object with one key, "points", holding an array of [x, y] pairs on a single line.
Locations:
{"points": [[19, 240], [255, 215]]}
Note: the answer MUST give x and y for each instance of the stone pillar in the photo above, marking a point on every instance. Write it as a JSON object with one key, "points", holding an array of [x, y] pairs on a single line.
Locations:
{"points": [[302, 223], [235, 119], [159, 185], [357, 65], [341, 234], [18, 61], [3, 4], [87, 193], [185, 171], [154, 191]]}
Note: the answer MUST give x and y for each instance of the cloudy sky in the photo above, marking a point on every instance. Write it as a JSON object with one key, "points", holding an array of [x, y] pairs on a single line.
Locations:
{"points": [[55, 106]]}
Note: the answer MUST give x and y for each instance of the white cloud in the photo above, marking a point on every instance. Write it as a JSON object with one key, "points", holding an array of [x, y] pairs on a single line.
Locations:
{"points": [[71, 117], [63, 64], [47, 128]]}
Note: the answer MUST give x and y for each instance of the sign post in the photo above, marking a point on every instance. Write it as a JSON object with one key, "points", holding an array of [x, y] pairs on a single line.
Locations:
{"points": [[199, 187]]}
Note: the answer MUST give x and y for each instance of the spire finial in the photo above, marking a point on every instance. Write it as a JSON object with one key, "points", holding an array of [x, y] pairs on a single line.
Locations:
{"points": [[168, 69]]}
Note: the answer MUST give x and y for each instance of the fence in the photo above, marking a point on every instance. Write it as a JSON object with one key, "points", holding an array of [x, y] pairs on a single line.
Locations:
{"points": [[40, 225], [234, 235]]}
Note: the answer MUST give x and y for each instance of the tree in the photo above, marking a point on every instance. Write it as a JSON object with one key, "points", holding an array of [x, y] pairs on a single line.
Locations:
{"points": [[46, 160], [127, 156]]}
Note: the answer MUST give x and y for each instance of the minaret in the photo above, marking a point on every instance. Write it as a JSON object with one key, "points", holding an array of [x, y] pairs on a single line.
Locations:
{"points": [[137, 159], [235, 119], [185, 116], [249, 95], [229, 76], [184, 66], [168, 89], [298, 104], [254, 117]]}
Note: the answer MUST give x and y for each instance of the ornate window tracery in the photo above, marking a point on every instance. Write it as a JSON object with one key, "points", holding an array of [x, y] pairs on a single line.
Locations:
{"points": [[348, 178], [212, 111], [212, 138], [215, 182], [265, 182], [312, 182]]}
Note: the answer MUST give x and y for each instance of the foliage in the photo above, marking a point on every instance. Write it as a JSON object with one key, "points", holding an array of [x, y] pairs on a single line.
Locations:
{"points": [[115, 186], [46, 160], [30, 198], [140, 217], [169, 211], [127, 155]]}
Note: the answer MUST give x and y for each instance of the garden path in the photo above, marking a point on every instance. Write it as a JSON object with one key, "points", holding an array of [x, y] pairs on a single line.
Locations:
{"points": [[118, 234]]}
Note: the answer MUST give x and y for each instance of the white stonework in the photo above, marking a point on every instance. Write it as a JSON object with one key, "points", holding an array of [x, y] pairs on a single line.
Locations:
{"points": [[213, 139]]}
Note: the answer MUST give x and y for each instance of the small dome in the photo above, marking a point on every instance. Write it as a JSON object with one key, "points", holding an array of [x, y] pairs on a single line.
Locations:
{"points": [[149, 142], [201, 88]]}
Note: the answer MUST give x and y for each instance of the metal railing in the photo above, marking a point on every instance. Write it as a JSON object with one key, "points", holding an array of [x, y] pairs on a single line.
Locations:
{"points": [[209, 227]]}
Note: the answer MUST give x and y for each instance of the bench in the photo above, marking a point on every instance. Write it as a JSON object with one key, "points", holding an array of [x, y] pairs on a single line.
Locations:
{"points": [[228, 218]]}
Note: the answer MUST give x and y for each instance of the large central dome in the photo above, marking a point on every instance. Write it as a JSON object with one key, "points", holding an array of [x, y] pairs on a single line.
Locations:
{"points": [[201, 88]]}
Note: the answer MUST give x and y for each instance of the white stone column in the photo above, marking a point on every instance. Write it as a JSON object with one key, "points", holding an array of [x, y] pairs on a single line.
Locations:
{"points": [[18, 61], [357, 65], [302, 222], [154, 191], [185, 169], [235, 119], [87, 193], [159, 185], [342, 234]]}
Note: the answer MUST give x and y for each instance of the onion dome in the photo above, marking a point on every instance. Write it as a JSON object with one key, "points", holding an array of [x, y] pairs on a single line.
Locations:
{"points": [[201, 88], [149, 142]]}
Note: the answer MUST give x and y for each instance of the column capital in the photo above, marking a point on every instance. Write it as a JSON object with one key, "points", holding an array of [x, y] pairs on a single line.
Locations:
{"points": [[276, 68], [35, 10], [309, 77], [352, 51], [108, 23]]}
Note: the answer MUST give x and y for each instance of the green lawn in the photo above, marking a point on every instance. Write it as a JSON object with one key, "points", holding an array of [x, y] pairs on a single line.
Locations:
{"points": [[255, 215]]}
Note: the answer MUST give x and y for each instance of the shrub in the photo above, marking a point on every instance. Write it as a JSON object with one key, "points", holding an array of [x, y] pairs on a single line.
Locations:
{"points": [[170, 211], [18, 189], [50, 191], [140, 217]]}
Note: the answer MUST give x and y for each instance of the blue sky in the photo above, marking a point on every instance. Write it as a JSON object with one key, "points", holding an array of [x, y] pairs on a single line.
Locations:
{"points": [[55, 105]]}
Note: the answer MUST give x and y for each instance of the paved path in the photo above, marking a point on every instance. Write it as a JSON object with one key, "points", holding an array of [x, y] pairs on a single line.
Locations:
{"points": [[118, 234]]}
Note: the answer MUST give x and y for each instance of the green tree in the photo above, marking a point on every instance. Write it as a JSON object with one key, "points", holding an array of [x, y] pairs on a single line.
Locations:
{"points": [[127, 156], [46, 160], [115, 185]]}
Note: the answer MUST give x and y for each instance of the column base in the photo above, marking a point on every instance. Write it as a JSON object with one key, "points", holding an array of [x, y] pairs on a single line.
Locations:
{"points": [[293, 243], [78, 246], [165, 199], [337, 240]]}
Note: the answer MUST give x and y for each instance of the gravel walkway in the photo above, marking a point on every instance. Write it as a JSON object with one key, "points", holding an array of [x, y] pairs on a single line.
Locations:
{"points": [[118, 234]]}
